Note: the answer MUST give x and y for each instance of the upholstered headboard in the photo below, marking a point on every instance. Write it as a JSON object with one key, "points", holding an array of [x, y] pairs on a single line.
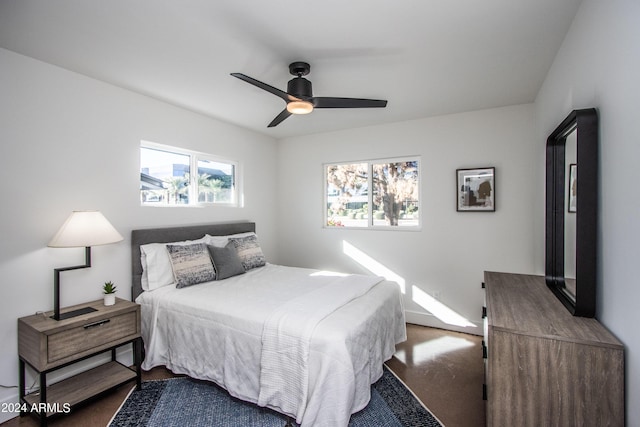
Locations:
{"points": [[176, 234]]}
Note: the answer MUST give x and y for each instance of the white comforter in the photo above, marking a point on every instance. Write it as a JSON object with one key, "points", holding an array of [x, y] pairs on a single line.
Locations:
{"points": [[279, 337]]}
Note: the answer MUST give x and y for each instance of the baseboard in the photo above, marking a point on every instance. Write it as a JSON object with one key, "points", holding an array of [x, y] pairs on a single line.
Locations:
{"points": [[426, 319], [124, 356], [8, 401]]}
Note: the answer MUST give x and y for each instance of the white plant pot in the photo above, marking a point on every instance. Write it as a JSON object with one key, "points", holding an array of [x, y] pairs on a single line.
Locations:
{"points": [[109, 299]]}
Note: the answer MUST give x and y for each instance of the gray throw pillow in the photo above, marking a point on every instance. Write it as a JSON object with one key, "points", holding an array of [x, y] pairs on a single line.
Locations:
{"points": [[249, 252], [226, 261], [191, 264]]}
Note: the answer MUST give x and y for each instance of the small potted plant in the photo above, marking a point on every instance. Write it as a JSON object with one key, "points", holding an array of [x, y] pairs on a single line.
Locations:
{"points": [[109, 290]]}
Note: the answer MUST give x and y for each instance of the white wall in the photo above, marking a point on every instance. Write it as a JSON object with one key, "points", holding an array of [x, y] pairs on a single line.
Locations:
{"points": [[451, 252], [70, 142], [598, 66]]}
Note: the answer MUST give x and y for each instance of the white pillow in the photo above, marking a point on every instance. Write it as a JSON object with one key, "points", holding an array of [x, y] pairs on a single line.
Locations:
{"points": [[221, 241], [156, 264]]}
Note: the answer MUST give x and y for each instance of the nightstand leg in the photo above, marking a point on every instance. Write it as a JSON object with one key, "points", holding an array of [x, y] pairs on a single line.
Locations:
{"points": [[43, 387], [137, 354], [43, 399], [21, 386]]}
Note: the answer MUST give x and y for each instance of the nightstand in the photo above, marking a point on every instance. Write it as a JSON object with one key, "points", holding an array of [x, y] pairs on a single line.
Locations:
{"points": [[47, 345]]}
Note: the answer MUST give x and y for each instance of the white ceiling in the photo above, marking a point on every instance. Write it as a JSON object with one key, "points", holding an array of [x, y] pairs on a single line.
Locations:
{"points": [[426, 57]]}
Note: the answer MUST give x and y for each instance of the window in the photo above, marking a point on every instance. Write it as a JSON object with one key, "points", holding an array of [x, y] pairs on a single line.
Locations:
{"points": [[215, 181], [166, 177], [374, 194]]}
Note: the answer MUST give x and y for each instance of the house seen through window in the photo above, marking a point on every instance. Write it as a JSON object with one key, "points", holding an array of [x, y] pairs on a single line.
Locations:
{"points": [[173, 177], [374, 194]]}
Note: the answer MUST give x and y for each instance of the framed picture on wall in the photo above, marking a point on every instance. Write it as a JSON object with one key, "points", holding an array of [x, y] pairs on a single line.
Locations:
{"points": [[573, 188], [475, 191]]}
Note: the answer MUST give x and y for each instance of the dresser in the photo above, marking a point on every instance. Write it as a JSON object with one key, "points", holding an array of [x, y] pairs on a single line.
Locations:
{"points": [[46, 345], [543, 366]]}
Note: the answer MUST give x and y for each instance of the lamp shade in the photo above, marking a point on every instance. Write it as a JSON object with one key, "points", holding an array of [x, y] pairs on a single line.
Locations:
{"points": [[85, 228]]}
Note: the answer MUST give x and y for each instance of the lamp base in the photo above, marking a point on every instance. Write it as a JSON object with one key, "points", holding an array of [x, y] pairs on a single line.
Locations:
{"points": [[75, 313]]}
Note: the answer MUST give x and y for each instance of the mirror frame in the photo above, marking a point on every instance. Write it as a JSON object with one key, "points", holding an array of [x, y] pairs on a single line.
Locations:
{"points": [[585, 122]]}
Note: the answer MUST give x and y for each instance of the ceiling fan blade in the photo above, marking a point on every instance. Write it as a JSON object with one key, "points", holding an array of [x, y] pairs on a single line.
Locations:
{"points": [[329, 102], [264, 86], [279, 118]]}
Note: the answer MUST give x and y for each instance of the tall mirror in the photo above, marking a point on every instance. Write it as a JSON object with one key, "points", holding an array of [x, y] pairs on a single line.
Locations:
{"points": [[572, 211], [571, 199]]}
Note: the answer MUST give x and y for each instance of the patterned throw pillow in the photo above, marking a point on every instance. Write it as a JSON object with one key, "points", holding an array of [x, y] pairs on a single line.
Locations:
{"points": [[156, 264], [226, 261], [191, 264], [249, 252]]}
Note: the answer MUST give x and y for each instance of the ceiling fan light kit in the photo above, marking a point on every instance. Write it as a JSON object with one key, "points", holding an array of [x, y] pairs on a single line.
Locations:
{"points": [[299, 107], [299, 95]]}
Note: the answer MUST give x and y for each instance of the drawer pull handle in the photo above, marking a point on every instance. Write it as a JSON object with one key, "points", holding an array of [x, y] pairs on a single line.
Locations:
{"points": [[95, 324]]}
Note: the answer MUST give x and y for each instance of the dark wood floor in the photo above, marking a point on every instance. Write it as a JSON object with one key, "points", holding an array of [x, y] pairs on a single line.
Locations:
{"points": [[442, 368], [445, 370]]}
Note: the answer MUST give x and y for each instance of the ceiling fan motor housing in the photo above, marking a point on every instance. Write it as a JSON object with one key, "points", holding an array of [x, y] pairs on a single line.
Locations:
{"points": [[300, 87]]}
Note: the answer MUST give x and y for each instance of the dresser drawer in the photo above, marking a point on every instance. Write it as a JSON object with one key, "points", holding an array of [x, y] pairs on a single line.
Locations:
{"points": [[90, 335]]}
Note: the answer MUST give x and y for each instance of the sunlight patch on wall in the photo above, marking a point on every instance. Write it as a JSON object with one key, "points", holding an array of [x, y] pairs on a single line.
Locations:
{"points": [[372, 265], [441, 311], [426, 351]]}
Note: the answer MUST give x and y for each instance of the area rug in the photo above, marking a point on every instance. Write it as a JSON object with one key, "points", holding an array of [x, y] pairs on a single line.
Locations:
{"points": [[187, 402]]}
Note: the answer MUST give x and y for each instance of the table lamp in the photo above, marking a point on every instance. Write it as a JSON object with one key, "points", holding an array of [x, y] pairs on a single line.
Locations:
{"points": [[81, 229]]}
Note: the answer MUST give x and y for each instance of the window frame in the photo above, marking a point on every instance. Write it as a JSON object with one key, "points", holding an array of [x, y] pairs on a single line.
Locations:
{"points": [[370, 192], [193, 190]]}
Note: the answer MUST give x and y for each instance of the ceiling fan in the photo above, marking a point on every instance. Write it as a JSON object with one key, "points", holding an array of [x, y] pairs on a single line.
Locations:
{"points": [[299, 95]]}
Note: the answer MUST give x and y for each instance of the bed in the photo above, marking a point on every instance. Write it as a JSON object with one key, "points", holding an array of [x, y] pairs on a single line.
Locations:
{"points": [[303, 342]]}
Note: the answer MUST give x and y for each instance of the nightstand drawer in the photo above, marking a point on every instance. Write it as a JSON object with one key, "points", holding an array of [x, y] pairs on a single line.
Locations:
{"points": [[90, 335]]}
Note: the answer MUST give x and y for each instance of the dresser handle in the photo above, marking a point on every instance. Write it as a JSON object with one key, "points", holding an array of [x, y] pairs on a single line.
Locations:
{"points": [[484, 312], [95, 324]]}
